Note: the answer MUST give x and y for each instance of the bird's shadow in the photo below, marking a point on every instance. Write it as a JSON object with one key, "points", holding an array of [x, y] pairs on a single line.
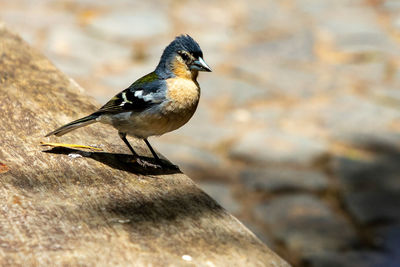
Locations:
{"points": [[124, 162]]}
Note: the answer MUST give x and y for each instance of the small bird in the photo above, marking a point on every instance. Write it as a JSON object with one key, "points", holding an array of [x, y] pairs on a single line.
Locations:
{"points": [[157, 103]]}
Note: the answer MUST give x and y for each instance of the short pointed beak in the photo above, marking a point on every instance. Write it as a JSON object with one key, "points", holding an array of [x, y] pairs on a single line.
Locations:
{"points": [[200, 65]]}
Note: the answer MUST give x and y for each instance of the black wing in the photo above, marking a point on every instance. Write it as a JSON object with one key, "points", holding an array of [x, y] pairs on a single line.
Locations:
{"points": [[141, 95]]}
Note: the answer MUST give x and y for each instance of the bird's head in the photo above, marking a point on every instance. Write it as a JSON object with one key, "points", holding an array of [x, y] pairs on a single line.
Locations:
{"points": [[183, 58]]}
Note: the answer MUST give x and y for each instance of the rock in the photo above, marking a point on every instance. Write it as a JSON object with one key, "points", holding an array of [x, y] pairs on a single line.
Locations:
{"points": [[235, 91], [268, 16], [295, 46], [374, 206], [77, 53], [127, 25], [363, 258], [203, 128], [353, 30], [379, 174], [388, 238], [222, 194], [305, 224], [344, 123], [372, 188], [284, 179], [197, 162], [259, 232], [391, 6], [275, 146]]}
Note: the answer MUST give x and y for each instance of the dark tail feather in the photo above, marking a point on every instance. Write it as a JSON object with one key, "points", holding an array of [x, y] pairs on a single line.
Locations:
{"points": [[74, 125]]}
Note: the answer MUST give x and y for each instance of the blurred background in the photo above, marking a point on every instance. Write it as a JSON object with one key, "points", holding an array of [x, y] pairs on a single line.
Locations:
{"points": [[297, 131]]}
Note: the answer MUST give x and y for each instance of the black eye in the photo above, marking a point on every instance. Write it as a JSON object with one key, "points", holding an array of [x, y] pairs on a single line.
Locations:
{"points": [[184, 56]]}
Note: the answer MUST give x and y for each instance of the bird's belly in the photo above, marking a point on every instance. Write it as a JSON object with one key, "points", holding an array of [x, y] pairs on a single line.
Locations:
{"points": [[149, 123]]}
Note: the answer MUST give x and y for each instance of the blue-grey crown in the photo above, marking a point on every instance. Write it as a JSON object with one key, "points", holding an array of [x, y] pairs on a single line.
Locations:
{"points": [[185, 42], [181, 42]]}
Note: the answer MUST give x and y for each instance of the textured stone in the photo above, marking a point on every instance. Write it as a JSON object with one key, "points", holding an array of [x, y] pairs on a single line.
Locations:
{"points": [[272, 146], [127, 25], [197, 162], [388, 239], [374, 206], [267, 15], [259, 233], [379, 174], [222, 194], [344, 123], [305, 224], [353, 29], [234, 91], [196, 132], [66, 42], [293, 47], [391, 6], [372, 188], [284, 179], [363, 258]]}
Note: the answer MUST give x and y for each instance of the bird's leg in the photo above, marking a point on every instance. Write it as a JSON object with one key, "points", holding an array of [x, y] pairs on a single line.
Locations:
{"points": [[123, 137], [137, 157], [170, 165], [152, 150]]}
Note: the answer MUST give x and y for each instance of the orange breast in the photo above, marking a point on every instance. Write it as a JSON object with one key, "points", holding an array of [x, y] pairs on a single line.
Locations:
{"points": [[183, 95]]}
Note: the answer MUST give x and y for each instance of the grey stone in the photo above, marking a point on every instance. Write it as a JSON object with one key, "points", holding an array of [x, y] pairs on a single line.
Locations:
{"points": [[344, 123], [354, 29], [284, 179], [372, 188], [363, 258], [268, 16], [316, 7], [197, 162], [77, 53], [391, 6], [222, 194], [390, 94], [369, 72], [259, 232], [274, 146], [289, 47], [388, 239], [380, 174], [305, 224], [203, 128], [374, 206], [128, 25], [228, 89], [31, 19]]}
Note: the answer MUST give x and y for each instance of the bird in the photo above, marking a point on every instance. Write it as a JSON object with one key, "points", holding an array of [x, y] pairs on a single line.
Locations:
{"points": [[157, 103]]}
